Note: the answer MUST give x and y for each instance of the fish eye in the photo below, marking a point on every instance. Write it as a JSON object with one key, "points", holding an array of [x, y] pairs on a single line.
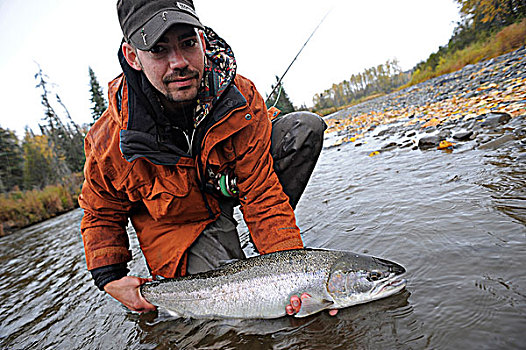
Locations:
{"points": [[374, 275]]}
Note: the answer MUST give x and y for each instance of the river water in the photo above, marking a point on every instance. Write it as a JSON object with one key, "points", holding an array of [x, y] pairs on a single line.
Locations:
{"points": [[456, 221]]}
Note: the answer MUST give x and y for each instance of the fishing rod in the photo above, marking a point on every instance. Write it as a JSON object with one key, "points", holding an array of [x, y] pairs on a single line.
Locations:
{"points": [[294, 60]]}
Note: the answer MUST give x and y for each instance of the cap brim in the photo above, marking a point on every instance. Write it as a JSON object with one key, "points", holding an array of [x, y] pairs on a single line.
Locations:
{"points": [[149, 34]]}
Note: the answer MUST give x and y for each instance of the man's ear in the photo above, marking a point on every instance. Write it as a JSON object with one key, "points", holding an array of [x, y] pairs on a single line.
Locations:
{"points": [[130, 54]]}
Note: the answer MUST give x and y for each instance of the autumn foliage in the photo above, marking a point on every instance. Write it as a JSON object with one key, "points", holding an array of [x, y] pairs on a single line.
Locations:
{"points": [[22, 208], [489, 28]]}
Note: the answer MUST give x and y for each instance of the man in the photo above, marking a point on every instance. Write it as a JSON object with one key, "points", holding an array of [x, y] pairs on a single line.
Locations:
{"points": [[185, 139]]}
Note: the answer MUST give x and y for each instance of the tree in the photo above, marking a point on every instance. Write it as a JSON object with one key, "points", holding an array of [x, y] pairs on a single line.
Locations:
{"points": [[39, 162], [65, 139], [284, 104], [492, 13], [11, 160], [99, 104], [383, 78]]}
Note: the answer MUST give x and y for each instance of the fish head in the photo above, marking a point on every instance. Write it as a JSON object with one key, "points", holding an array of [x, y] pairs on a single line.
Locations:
{"points": [[356, 279]]}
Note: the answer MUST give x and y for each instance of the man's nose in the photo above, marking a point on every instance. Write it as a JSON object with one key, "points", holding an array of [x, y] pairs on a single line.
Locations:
{"points": [[177, 59]]}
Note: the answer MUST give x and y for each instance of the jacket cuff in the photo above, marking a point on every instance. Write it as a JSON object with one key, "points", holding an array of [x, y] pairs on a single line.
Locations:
{"points": [[106, 274]]}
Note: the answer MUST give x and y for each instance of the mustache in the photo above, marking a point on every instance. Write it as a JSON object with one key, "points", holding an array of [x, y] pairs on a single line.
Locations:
{"points": [[181, 73]]}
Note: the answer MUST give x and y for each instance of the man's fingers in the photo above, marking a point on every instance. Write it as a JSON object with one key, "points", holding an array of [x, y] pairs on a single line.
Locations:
{"points": [[295, 303], [333, 312], [290, 310]]}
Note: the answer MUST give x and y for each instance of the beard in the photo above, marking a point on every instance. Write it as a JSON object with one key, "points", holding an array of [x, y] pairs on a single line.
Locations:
{"points": [[185, 94]]}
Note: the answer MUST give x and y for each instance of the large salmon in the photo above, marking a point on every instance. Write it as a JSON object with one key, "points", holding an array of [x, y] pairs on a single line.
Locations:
{"points": [[261, 287]]}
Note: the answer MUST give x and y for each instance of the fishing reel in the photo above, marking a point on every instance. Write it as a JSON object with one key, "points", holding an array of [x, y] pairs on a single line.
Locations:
{"points": [[225, 183]]}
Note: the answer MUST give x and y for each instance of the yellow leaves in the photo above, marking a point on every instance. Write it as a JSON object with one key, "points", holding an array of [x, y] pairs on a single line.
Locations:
{"points": [[445, 145], [348, 139], [486, 87], [431, 122], [512, 92], [375, 153], [411, 122]]}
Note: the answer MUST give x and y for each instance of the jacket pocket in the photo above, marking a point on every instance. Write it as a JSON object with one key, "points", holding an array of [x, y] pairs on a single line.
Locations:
{"points": [[174, 195]]}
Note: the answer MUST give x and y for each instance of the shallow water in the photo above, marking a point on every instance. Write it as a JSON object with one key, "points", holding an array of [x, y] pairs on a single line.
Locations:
{"points": [[456, 221]]}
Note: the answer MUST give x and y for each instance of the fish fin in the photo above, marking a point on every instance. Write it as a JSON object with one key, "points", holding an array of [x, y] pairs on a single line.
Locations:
{"points": [[313, 305]]}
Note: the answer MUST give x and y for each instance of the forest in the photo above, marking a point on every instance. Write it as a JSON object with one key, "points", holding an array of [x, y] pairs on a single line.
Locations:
{"points": [[41, 174]]}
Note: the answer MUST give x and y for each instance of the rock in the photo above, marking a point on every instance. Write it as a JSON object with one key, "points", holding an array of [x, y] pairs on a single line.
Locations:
{"points": [[518, 120], [389, 146], [494, 119], [407, 143], [497, 142], [383, 132], [463, 136], [427, 142], [520, 132], [444, 134]]}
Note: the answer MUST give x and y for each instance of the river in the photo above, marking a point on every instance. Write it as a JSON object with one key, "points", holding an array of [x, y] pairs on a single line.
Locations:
{"points": [[456, 221]]}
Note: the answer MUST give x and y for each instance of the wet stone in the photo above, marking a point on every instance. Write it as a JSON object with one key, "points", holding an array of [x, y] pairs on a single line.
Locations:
{"points": [[444, 134], [389, 146], [406, 144], [463, 135], [427, 142], [494, 119], [497, 142]]}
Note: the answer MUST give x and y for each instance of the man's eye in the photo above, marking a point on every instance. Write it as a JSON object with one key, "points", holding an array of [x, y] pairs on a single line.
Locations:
{"points": [[190, 42], [156, 49]]}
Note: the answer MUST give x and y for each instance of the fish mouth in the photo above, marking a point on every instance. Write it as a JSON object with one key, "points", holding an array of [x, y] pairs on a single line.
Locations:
{"points": [[392, 285]]}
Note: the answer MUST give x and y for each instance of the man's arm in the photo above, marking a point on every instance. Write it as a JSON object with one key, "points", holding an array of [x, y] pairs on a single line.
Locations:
{"points": [[265, 206], [104, 235]]}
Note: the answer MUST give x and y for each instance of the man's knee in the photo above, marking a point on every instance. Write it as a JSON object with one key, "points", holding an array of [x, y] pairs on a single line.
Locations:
{"points": [[303, 121], [296, 131]]}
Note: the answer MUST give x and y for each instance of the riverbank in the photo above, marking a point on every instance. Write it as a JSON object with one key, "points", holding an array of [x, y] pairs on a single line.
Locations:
{"points": [[19, 209], [481, 105]]}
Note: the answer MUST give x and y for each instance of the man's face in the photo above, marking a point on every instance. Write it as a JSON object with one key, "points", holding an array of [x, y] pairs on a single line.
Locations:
{"points": [[175, 65]]}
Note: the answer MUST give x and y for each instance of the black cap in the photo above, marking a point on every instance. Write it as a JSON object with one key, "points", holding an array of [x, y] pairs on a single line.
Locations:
{"points": [[143, 22]]}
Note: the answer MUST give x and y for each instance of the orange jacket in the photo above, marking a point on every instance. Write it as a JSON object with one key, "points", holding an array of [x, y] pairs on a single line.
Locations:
{"points": [[166, 203]]}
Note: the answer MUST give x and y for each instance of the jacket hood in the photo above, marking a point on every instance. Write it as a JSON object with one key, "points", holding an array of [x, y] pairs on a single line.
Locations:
{"points": [[149, 132]]}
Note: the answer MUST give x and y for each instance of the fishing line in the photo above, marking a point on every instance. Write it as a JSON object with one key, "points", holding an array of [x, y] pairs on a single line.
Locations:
{"points": [[278, 84]]}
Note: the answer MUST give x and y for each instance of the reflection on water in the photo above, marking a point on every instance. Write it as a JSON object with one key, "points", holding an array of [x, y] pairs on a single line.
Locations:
{"points": [[321, 331], [456, 221]]}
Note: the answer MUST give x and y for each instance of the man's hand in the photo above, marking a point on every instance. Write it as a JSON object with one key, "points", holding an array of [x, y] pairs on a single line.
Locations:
{"points": [[126, 290], [295, 305]]}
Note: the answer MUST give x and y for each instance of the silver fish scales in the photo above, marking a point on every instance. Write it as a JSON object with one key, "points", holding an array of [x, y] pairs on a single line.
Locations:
{"points": [[261, 287]]}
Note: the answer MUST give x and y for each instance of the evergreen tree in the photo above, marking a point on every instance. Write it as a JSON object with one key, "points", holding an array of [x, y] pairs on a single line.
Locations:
{"points": [[284, 104], [99, 104], [11, 161]]}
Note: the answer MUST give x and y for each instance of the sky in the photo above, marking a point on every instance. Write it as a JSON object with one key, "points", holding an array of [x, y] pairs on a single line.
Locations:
{"points": [[65, 37]]}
